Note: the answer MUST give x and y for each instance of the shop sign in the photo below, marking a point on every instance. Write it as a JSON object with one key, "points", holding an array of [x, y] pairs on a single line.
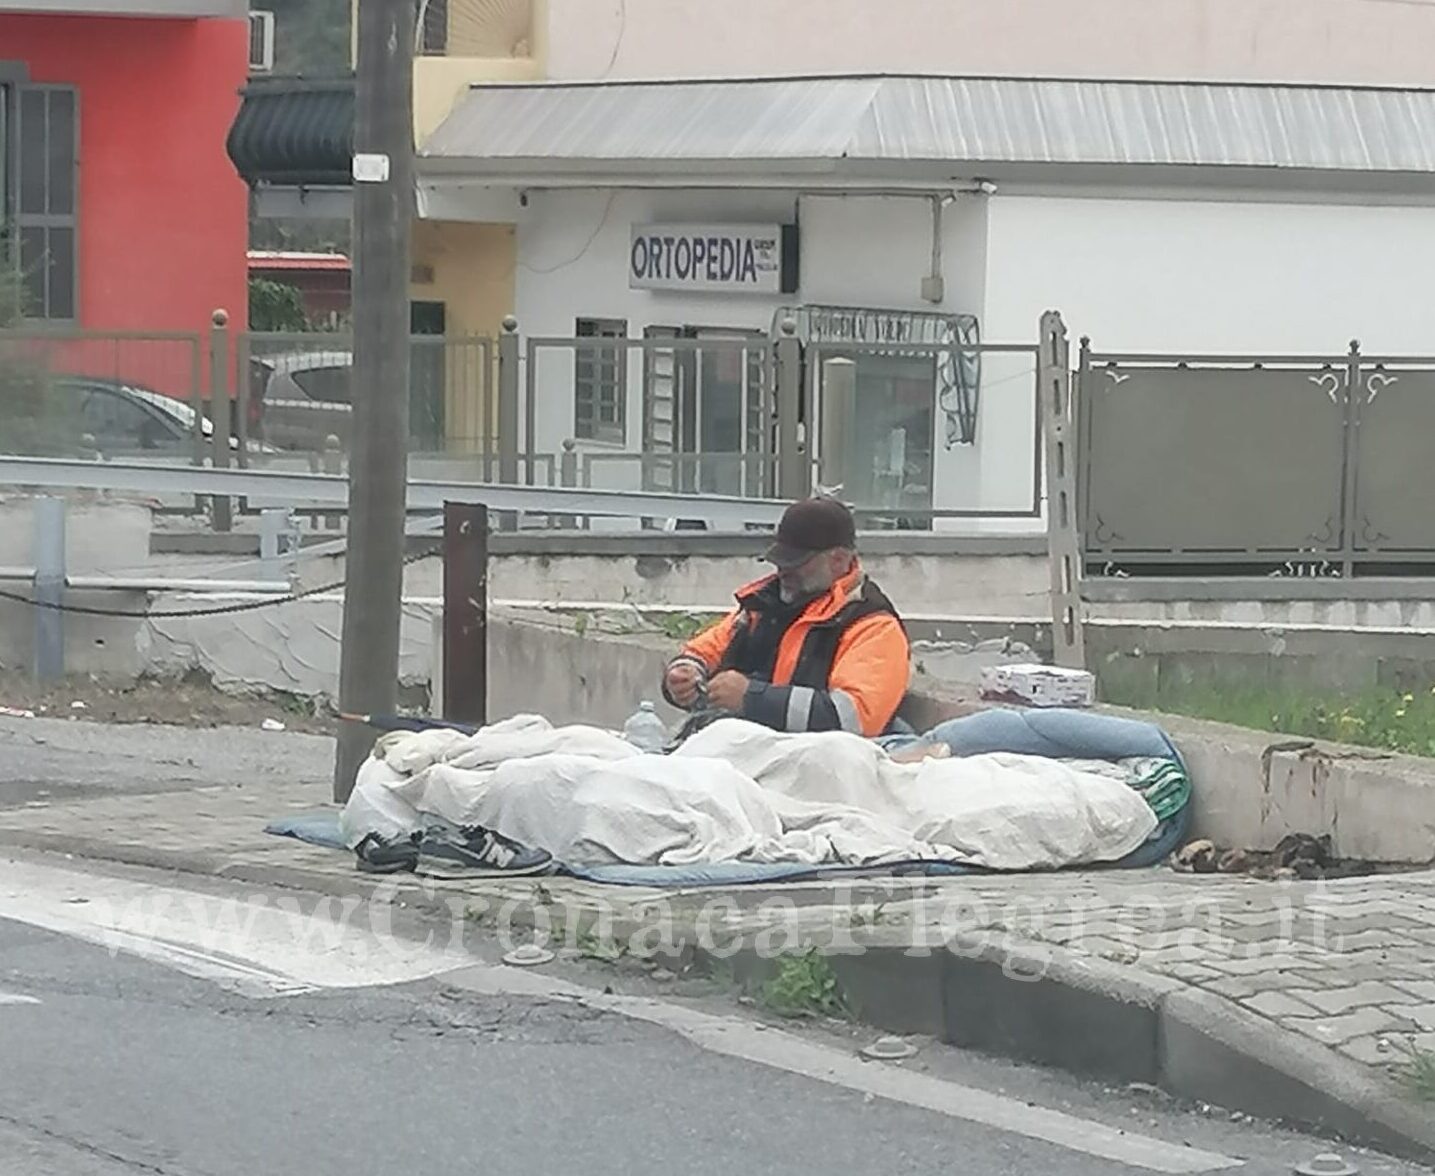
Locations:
{"points": [[737, 259]]}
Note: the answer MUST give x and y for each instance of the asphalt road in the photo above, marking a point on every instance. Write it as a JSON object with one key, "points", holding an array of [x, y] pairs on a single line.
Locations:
{"points": [[127, 1067], [115, 1065]]}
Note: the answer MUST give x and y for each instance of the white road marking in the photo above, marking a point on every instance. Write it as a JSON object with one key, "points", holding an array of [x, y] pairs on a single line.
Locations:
{"points": [[752, 1042], [271, 948], [254, 946], [14, 998]]}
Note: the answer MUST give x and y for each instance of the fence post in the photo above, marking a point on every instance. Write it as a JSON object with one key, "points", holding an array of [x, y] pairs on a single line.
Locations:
{"points": [[1056, 419], [568, 477], [1350, 460], [465, 612], [241, 398], [333, 465], [839, 404], [277, 544], [222, 506], [508, 406], [508, 402], [49, 589], [793, 472], [196, 388]]}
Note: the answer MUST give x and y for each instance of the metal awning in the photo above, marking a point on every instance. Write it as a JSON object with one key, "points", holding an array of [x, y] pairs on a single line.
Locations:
{"points": [[935, 127], [294, 132]]}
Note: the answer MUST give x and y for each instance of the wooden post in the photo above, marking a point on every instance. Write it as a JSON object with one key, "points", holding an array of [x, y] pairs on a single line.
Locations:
{"points": [[465, 612]]}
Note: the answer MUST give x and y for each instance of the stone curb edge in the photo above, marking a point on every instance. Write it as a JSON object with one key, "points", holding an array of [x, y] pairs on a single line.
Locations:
{"points": [[1016, 998]]}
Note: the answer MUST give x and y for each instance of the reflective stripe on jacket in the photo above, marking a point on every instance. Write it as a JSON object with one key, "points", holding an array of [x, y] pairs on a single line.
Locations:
{"points": [[841, 663]]}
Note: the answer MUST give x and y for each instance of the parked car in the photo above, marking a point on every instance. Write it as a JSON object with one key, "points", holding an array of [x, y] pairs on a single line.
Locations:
{"points": [[298, 400], [82, 416]]}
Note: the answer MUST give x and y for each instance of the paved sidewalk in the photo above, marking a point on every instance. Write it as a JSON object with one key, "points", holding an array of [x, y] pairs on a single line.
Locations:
{"points": [[1298, 999]]}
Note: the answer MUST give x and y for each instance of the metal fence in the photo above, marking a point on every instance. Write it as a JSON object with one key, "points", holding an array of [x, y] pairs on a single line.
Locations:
{"points": [[290, 394], [734, 413], [750, 415], [294, 394], [76, 393], [1255, 464]]}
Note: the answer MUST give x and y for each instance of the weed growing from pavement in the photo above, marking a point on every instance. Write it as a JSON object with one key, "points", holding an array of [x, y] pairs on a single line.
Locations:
{"points": [[683, 626], [1389, 719], [869, 916], [805, 986], [1419, 1074], [722, 974], [596, 947]]}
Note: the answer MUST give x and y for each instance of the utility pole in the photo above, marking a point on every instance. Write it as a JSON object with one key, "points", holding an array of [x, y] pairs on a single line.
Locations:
{"points": [[378, 457]]}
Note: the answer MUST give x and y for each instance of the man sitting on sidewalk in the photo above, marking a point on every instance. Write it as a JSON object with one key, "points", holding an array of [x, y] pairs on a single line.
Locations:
{"points": [[814, 647]]}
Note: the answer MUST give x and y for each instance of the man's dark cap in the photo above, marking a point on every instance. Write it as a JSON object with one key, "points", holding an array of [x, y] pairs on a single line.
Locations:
{"points": [[808, 527]]}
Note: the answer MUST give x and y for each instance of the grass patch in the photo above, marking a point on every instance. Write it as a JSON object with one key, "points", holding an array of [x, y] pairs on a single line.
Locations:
{"points": [[805, 986], [683, 626], [1419, 1074], [594, 947], [1388, 719]]}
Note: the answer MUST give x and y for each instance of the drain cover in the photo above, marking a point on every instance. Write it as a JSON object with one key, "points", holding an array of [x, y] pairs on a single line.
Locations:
{"points": [[528, 956], [889, 1049], [1326, 1164]]}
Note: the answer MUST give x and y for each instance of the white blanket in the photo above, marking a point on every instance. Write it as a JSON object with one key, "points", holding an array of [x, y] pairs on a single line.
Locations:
{"points": [[739, 792]]}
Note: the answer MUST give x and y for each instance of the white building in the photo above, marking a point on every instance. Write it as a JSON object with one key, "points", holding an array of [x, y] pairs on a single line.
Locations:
{"points": [[1188, 217], [1312, 42]]}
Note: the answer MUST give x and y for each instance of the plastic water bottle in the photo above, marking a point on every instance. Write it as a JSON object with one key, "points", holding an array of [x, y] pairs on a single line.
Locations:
{"points": [[645, 731]]}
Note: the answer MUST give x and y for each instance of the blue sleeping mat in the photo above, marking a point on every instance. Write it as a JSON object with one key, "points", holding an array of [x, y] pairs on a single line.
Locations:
{"points": [[1057, 734]]}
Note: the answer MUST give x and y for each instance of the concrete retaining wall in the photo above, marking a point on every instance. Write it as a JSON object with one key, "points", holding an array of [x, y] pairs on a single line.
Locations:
{"points": [[1341, 635], [1252, 788], [1144, 663]]}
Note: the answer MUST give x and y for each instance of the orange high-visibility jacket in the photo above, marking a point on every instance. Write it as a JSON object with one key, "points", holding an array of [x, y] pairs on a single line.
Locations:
{"points": [[841, 663]]}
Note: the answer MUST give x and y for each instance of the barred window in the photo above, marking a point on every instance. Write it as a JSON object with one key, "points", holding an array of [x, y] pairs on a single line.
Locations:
{"points": [[600, 387], [39, 152]]}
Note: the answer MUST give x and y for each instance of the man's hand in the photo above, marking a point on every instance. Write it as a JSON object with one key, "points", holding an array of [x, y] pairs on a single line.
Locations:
{"points": [[726, 691], [684, 682]]}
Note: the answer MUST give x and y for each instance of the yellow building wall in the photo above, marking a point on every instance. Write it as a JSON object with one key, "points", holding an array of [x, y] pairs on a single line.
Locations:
{"points": [[469, 268], [503, 50], [439, 82], [506, 41]]}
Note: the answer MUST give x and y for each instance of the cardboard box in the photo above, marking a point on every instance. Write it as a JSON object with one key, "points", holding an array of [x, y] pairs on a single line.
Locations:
{"points": [[1033, 685]]}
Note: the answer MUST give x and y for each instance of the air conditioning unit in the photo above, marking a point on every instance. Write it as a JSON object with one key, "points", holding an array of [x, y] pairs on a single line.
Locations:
{"points": [[261, 42]]}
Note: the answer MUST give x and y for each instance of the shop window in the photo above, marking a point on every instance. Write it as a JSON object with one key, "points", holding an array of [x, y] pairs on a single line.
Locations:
{"points": [[600, 386]]}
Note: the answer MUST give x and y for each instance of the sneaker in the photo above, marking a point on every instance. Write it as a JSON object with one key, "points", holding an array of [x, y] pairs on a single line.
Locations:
{"points": [[379, 855], [484, 850]]}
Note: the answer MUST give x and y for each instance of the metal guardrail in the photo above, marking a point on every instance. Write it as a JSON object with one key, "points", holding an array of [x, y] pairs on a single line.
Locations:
{"points": [[326, 490], [153, 583]]}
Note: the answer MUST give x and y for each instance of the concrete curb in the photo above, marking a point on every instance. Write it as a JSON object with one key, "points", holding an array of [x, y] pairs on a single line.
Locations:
{"points": [[988, 991], [1045, 1004]]}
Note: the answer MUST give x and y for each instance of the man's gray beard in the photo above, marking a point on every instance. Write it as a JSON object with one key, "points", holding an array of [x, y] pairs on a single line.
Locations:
{"points": [[788, 596]]}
